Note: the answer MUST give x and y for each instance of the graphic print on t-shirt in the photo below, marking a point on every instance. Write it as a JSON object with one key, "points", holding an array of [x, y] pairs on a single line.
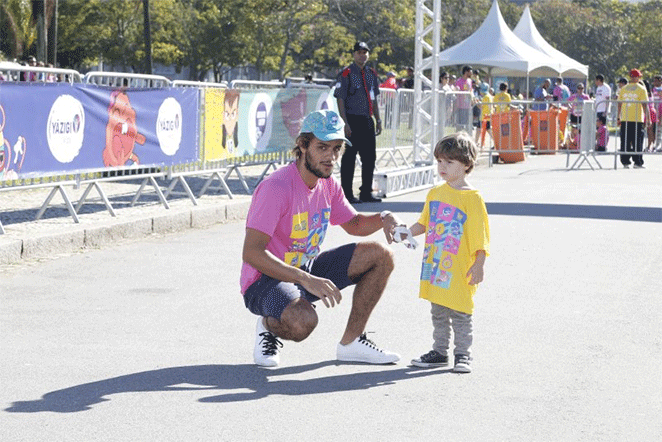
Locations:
{"points": [[307, 235], [442, 242]]}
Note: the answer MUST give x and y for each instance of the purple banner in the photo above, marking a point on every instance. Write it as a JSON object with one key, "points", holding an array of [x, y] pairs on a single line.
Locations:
{"points": [[63, 128]]}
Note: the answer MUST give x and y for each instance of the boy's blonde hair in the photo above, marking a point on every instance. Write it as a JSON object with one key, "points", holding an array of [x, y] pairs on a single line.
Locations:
{"points": [[459, 147]]}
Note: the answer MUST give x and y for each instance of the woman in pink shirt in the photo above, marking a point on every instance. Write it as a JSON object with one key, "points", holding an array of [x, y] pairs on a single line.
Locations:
{"points": [[576, 101]]}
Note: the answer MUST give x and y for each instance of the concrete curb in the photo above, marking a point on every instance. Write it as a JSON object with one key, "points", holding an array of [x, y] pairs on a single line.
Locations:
{"points": [[74, 238]]}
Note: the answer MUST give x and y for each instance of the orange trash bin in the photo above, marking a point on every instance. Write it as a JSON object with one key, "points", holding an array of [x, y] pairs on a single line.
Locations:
{"points": [[545, 130], [507, 134]]}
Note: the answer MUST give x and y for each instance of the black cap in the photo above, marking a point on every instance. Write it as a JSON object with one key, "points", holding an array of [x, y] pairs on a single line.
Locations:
{"points": [[361, 45]]}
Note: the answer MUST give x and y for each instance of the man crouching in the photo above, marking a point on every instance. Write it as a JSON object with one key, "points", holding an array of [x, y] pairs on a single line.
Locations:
{"points": [[283, 271]]}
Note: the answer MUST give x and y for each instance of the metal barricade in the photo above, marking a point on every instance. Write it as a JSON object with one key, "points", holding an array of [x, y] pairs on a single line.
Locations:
{"points": [[396, 106], [32, 74], [124, 79], [247, 84], [388, 101], [657, 132], [326, 82], [199, 84]]}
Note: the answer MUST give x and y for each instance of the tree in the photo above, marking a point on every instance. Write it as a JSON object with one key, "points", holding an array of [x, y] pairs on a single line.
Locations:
{"points": [[593, 32], [100, 30], [645, 39], [215, 36], [287, 36], [322, 47], [16, 27], [386, 25]]}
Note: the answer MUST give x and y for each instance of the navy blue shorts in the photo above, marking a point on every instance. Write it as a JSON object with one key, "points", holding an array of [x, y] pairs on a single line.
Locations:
{"points": [[269, 297]]}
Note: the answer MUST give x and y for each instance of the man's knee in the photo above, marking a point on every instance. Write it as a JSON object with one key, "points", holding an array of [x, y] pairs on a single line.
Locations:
{"points": [[300, 319], [371, 255]]}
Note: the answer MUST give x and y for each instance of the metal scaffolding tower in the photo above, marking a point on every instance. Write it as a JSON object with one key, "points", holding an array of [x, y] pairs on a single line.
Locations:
{"points": [[426, 102]]}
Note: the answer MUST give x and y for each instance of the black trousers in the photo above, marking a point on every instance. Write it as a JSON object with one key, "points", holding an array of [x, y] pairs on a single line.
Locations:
{"points": [[632, 140], [364, 143]]}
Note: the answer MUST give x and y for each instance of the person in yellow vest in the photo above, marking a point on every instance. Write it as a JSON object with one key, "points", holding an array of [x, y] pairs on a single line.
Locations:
{"points": [[486, 112], [502, 97], [633, 114]]}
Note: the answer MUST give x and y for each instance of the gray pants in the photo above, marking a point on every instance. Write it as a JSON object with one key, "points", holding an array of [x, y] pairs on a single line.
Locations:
{"points": [[442, 320]]}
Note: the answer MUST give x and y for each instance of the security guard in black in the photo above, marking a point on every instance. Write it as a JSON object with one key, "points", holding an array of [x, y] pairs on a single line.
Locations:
{"points": [[356, 92]]}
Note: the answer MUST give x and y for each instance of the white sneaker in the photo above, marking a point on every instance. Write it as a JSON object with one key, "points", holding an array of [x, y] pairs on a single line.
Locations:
{"points": [[363, 349], [266, 353]]}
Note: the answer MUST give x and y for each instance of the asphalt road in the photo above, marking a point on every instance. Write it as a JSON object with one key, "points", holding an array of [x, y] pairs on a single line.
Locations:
{"points": [[149, 339]]}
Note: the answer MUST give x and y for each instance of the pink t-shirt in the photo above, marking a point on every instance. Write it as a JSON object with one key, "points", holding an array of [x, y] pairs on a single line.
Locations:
{"points": [[294, 216], [466, 85], [577, 101], [657, 99], [561, 92]]}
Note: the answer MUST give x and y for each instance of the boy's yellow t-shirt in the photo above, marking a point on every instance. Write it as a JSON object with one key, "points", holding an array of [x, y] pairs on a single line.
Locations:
{"points": [[456, 228], [632, 111]]}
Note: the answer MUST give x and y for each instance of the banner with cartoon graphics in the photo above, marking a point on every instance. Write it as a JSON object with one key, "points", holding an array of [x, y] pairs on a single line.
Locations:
{"points": [[241, 123], [59, 128], [143, 126]]}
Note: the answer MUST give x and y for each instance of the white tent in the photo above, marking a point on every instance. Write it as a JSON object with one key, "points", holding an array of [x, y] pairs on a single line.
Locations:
{"points": [[495, 47], [526, 30]]}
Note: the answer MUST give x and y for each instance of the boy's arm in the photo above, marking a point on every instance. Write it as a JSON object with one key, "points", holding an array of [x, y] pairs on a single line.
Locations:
{"points": [[417, 229], [475, 272]]}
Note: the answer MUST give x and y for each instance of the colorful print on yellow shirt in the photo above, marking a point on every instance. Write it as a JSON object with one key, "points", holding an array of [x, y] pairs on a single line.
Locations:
{"points": [[442, 243], [307, 237]]}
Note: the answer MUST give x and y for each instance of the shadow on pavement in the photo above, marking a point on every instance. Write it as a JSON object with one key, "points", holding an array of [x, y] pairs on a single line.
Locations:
{"points": [[618, 213], [262, 383]]}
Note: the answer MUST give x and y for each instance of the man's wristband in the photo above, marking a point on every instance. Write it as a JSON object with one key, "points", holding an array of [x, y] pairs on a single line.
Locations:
{"points": [[384, 214]]}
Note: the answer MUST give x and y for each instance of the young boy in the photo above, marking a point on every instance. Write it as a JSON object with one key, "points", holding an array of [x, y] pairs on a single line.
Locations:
{"points": [[457, 239], [602, 134]]}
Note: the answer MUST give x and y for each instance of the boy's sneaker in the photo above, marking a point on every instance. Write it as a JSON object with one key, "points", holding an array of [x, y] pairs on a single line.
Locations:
{"points": [[266, 353], [462, 364], [431, 359], [363, 349]]}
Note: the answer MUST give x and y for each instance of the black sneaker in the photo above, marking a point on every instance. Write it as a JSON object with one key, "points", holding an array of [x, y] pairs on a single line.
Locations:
{"points": [[370, 199], [431, 359], [353, 200], [462, 364]]}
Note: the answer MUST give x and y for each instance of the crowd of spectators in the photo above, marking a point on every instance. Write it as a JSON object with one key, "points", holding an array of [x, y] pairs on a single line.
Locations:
{"points": [[31, 76], [474, 112]]}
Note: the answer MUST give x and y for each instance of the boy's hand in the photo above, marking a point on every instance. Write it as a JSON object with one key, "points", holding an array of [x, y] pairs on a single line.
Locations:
{"points": [[403, 234], [475, 273]]}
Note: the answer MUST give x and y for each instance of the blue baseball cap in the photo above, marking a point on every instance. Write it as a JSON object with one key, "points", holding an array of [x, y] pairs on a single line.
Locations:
{"points": [[326, 125]]}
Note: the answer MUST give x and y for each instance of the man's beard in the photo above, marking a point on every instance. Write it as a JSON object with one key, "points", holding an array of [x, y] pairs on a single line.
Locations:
{"points": [[318, 173]]}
